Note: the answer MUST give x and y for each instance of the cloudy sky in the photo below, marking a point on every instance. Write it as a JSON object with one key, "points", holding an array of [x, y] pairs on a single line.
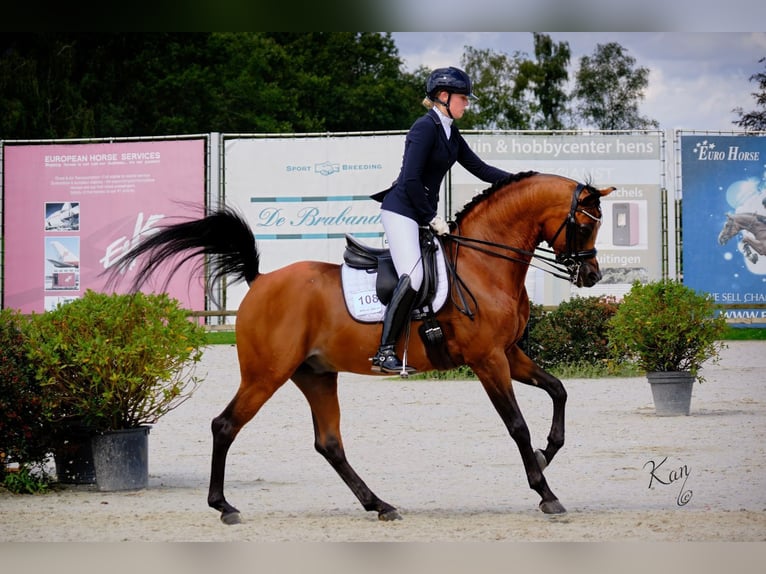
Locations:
{"points": [[695, 80]]}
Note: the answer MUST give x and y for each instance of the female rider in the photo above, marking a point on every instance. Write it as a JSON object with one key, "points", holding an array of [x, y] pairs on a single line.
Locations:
{"points": [[432, 146]]}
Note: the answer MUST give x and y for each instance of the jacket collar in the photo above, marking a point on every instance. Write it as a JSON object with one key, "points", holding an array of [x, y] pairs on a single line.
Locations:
{"points": [[439, 120]]}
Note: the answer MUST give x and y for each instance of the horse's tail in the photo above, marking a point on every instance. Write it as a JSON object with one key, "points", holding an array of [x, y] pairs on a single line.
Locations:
{"points": [[224, 235]]}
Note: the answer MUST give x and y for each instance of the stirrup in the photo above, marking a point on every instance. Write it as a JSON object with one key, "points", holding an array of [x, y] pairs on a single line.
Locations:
{"points": [[386, 361]]}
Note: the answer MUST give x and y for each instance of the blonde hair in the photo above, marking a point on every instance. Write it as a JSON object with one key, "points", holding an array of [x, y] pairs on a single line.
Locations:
{"points": [[427, 103]]}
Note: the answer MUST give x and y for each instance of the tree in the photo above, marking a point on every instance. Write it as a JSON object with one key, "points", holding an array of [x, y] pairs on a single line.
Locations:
{"points": [[39, 93], [755, 120], [500, 89], [88, 85], [546, 77], [608, 88], [351, 81]]}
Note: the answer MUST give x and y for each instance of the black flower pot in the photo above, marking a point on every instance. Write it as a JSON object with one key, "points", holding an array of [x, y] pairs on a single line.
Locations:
{"points": [[73, 457], [121, 459]]}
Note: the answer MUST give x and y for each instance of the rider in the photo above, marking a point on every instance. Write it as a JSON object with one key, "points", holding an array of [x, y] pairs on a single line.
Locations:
{"points": [[432, 146]]}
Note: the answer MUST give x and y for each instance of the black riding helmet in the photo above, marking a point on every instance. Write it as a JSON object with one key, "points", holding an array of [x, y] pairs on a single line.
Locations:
{"points": [[451, 80]]}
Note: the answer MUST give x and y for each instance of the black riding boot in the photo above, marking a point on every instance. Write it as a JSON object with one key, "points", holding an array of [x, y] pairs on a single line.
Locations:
{"points": [[396, 318]]}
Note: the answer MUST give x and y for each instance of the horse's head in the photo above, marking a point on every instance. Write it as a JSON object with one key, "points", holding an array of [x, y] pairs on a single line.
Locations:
{"points": [[574, 241], [730, 229], [530, 207]]}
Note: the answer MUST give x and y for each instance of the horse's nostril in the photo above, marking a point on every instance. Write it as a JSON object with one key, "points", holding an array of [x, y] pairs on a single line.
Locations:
{"points": [[590, 279]]}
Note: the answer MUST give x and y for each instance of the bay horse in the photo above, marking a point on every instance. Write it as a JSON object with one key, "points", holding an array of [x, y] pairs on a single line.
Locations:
{"points": [[752, 246], [293, 323]]}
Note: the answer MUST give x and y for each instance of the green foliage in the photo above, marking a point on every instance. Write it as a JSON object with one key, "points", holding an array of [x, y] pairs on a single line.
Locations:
{"points": [[601, 370], [69, 84], [457, 374], [500, 88], [112, 362], [221, 337], [755, 120], [348, 81], [24, 433], [667, 326], [123, 84], [573, 333], [25, 480], [547, 76], [608, 89], [745, 334]]}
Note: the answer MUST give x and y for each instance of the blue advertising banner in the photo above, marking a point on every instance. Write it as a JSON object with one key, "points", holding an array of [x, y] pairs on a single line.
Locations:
{"points": [[724, 220]]}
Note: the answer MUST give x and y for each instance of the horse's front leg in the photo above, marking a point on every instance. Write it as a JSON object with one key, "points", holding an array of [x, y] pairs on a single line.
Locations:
{"points": [[494, 373], [752, 249], [525, 370]]}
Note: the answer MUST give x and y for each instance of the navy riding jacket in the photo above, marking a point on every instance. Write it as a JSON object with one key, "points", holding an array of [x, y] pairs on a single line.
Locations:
{"points": [[428, 155]]}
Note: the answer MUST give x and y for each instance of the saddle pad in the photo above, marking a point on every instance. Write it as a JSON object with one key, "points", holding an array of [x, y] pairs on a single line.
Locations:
{"points": [[362, 300]]}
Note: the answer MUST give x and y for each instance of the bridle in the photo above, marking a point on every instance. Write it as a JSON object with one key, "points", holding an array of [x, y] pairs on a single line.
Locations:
{"points": [[572, 259], [565, 265]]}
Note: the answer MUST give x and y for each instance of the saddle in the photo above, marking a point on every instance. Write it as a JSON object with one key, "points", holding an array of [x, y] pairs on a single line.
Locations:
{"points": [[378, 260], [357, 255]]}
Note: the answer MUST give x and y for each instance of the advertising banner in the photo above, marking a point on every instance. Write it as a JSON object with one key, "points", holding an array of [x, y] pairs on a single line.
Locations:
{"points": [[724, 220], [72, 210], [630, 239], [301, 195]]}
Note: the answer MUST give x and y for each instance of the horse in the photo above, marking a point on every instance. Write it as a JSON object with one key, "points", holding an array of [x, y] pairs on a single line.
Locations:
{"points": [[292, 322], [752, 246]]}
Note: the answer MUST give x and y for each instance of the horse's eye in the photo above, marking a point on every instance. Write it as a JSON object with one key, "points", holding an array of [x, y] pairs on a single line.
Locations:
{"points": [[584, 231]]}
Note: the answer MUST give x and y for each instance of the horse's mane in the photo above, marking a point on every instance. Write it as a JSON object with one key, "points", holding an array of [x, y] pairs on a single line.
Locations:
{"points": [[480, 197]]}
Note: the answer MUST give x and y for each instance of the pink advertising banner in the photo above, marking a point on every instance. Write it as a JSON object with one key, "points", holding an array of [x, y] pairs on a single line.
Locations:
{"points": [[72, 210]]}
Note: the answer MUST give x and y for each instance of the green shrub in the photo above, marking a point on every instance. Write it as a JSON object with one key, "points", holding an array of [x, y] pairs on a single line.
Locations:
{"points": [[575, 333], [24, 433], [110, 362], [667, 326]]}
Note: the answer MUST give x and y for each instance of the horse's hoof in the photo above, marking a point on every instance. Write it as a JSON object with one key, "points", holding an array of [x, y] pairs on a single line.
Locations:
{"points": [[552, 507], [231, 518], [389, 515], [541, 459]]}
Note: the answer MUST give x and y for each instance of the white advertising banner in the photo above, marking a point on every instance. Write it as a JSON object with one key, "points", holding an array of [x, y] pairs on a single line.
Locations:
{"points": [[301, 195], [630, 240]]}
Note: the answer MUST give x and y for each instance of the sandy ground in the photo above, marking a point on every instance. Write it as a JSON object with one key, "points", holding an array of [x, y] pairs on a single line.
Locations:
{"points": [[438, 451]]}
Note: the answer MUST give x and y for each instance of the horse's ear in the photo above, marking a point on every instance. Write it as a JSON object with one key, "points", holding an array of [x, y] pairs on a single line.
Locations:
{"points": [[595, 195]]}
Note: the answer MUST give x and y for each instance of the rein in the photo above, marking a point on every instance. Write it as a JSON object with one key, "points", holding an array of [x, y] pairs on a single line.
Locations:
{"points": [[563, 266]]}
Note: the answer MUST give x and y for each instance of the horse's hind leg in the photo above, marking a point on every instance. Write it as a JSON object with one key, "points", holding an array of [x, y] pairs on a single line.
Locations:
{"points": [[321, 391], [243, 407], [526, 371]]}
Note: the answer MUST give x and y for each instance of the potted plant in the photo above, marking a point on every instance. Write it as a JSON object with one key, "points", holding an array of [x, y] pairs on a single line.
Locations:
{"points": [[668, 330], [110, 366]]}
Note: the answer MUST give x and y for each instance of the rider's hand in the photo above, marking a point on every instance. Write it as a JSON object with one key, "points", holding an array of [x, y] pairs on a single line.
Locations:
{"points": [[439, 226]]}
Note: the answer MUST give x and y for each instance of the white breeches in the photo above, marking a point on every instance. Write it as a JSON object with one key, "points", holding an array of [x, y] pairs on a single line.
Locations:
{"points": [[404, 241]]}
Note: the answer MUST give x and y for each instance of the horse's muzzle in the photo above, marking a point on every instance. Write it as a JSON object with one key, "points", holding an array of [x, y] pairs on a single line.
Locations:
{"points": [[588, 276]]}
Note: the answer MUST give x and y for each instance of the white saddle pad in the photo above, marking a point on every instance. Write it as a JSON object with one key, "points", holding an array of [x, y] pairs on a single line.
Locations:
{"points": [[362, 300]]}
